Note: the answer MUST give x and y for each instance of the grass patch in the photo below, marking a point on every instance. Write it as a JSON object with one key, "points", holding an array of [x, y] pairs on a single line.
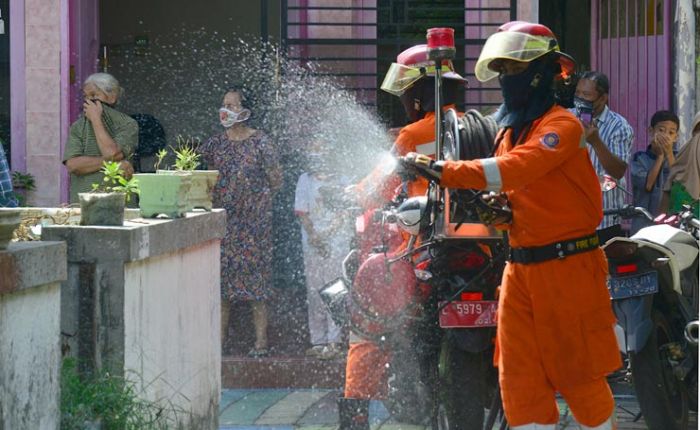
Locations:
{"points": [[107, 402]]}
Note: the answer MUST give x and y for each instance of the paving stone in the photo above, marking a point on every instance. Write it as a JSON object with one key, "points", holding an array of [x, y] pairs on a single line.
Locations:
{"points": [[247, 410], [317, 410], [291, 408], [322, 413], [230, 396]]}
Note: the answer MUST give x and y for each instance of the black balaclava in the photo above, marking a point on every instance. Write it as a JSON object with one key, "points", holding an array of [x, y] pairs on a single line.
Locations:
{"points": [[527, 95]]}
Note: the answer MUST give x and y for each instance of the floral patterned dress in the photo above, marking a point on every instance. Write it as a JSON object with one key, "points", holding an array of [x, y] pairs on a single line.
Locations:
{"points": [[245, 188]]}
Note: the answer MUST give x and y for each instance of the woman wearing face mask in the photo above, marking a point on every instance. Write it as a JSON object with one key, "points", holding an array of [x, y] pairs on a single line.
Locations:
{"points": [[101, 134], [248, 176]]}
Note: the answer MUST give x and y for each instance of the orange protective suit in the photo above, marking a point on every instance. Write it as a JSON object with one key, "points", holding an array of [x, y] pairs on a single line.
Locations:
{"points": [[555, 321], [365, 371]]}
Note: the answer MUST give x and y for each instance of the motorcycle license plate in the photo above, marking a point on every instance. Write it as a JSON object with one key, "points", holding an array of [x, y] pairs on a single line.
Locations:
{"points": [[468, 314], [631, 286]]}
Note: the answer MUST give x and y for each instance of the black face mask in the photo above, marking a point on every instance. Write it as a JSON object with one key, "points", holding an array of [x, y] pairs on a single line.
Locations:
{"points": [[517, 89], [527, 95]]}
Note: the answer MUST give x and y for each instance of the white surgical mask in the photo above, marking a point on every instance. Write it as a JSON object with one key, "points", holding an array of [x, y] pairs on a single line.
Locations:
{"points": [[228, 117]]}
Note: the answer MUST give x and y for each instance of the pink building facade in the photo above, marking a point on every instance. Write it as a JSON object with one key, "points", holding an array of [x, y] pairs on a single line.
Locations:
{"points": [[647, 48]]}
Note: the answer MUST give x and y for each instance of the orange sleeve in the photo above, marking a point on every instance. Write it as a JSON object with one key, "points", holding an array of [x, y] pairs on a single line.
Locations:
{"points": [[405, 143], [556, 139]]}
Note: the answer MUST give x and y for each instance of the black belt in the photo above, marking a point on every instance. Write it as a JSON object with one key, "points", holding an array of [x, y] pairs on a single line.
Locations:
{"points": [[558, 250]]}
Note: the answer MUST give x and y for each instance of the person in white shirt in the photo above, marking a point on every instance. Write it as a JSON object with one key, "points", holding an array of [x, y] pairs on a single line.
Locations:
{"points": [[325, 242]]}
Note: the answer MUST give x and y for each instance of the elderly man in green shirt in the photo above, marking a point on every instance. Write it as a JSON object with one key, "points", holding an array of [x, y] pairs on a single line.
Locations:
{"points": [[101, 134]]}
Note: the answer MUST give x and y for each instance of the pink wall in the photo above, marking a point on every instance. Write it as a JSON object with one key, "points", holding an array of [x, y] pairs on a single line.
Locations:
{"points": [[38, 123], [18, 98], [637, 60]]}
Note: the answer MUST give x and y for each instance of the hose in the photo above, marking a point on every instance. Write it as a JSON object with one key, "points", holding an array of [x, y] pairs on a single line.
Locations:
{"points": [[477, 135]]}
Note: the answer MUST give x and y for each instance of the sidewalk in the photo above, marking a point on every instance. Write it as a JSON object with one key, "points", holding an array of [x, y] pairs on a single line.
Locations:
{"points": [[315, 409]]}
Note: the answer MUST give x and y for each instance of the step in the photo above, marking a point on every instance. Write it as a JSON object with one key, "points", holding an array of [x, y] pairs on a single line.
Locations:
{"points": [[281, 372]]}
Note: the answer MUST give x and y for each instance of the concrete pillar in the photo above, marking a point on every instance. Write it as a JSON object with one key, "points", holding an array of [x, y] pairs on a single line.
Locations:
{"points": [[685, 79], [42, 128], [30, 334]]}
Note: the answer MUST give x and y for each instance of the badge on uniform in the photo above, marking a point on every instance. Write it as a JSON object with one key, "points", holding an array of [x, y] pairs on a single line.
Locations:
{"points": [[550, 140]]}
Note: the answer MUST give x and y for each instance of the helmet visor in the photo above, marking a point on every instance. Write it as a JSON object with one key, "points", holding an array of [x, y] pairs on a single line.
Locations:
{"points": [[511, 46], [399, 78]]}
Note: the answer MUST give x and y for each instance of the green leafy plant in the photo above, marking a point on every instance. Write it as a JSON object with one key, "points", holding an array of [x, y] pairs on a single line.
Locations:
{"points": [[23, 183], [102, 400], [187, 157], [115, 182], [160, 156]]}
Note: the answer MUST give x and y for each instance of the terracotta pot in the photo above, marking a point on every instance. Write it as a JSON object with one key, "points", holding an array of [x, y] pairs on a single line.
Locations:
{"points": [[163, 194], [9, 221], [102, 208], [203, 183]]}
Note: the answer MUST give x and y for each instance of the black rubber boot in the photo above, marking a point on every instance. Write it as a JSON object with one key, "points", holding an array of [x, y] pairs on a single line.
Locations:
{"points": [[353, 414]]}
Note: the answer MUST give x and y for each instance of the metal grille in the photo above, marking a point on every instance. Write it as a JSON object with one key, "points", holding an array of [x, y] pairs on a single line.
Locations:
{"points": [[355, 41]]}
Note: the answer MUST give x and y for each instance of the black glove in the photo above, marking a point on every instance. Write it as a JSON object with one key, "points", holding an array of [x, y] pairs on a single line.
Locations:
{"points": [[494, 209], [419, 164]]}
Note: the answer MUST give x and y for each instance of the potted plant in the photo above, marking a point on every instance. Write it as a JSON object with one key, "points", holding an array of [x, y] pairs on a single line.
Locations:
{"points": [[163, 194], [187, 159], [104, 205], [22, 185]]}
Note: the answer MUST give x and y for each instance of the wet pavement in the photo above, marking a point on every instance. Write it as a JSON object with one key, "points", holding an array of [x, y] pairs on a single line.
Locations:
{"points": [[315, 409]]}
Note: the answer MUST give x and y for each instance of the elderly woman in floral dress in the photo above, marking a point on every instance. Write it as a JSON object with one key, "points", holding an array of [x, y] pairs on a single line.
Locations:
{"points": [[248, 177]]}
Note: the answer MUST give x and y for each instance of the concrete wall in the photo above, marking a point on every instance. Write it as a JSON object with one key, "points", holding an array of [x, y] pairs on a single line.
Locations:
{"points": [[30, 354], [171, 332], [143, 301]]}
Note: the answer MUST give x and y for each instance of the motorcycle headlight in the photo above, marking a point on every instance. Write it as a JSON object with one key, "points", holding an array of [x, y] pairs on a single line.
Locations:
{"points": [[409, 215]]}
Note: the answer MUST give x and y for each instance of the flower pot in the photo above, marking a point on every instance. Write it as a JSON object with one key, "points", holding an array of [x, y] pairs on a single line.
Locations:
{"points": [[9, 221], [163, 194], [203, 183], [102, 208]]}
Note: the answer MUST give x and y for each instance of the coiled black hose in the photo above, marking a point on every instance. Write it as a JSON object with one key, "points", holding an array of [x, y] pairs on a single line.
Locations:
{"points": [[477, 135]]}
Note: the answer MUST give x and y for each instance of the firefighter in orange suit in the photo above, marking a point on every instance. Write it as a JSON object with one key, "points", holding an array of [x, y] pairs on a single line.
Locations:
{"points": [[411, 78], [555, 320]]}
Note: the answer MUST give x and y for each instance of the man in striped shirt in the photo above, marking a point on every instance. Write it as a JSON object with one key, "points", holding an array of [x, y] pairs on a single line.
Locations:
{"points": [[609, 137]]}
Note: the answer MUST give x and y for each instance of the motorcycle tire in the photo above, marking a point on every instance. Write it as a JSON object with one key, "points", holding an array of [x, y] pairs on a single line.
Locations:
{"points": [[408, 396], [462, 389], [662, 398]]}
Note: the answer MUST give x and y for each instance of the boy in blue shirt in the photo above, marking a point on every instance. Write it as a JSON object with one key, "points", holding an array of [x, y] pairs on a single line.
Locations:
{"points": [[649, 168]]}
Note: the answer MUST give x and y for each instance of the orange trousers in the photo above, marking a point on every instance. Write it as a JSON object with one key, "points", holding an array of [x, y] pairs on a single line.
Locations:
{"points": [[555, 334], [365, 371]]}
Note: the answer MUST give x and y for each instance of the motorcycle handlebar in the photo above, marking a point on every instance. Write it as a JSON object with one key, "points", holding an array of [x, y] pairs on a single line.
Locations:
{"points": [[629, 211]]}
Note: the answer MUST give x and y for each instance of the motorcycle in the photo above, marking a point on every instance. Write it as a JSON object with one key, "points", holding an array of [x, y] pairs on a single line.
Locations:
{"points": [[653, 285], [433, 302]]}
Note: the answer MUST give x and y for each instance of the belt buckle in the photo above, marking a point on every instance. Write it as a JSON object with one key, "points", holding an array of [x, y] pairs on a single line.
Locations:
{"points": [[560, 250]]}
